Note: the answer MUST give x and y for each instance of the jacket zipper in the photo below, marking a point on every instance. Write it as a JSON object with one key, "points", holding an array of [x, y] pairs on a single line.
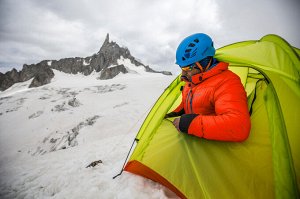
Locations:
{"points": [[189, 102]]}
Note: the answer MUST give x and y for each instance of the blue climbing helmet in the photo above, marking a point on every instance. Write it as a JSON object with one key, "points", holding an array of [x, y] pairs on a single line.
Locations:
{"points": [[194, 48]]}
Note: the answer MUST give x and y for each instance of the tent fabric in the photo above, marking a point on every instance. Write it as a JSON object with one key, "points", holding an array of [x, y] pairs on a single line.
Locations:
{"points": [[266, 165]]}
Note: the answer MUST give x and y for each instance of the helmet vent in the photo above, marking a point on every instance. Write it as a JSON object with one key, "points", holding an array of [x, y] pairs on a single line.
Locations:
{"points": [[196, 40], [191, 45], [187, 55], [188, 50], [194, 53]]}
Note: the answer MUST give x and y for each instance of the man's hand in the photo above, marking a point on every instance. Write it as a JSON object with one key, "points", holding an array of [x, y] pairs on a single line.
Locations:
{"points": [[185, 121], [176, 123]]}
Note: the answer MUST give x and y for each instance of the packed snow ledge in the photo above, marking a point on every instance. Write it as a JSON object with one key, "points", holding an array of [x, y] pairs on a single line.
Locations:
{"points": [[50, 134]]}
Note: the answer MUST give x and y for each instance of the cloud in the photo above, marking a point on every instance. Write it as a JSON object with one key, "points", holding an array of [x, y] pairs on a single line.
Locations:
{"points": [[250, 20], [29, 33], [33, 30]]}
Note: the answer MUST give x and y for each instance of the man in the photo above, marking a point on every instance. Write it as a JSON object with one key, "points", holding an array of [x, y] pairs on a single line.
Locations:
{"points": [[214, 102]]}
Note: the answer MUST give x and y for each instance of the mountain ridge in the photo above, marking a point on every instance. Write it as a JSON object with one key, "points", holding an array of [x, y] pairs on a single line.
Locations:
{"points": [[104, 61]]}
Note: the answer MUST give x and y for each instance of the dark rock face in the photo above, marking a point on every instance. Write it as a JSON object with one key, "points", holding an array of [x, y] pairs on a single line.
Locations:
{"points": [[42, 73], [8, 79], [111, 72], [42, 78], [148, 69]]}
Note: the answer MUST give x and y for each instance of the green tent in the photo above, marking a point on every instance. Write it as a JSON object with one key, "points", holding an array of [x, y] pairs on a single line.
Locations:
{"points": [[266, 165]]}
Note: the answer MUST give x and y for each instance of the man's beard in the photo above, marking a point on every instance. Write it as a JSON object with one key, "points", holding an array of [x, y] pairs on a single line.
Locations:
{"points": [[185, 78]]}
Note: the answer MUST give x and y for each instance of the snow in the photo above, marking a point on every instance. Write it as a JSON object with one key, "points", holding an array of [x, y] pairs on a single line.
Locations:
{"points": [[49, 63], [16, 88], [85, 63], [131, 68], [50, 134]]}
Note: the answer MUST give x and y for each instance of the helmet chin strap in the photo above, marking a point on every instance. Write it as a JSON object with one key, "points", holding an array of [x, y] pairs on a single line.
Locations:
{"points": [[201, 67], [202, 70]]}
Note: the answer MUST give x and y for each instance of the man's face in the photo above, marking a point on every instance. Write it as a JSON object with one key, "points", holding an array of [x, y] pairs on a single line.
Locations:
{"points": [[186, 74]]}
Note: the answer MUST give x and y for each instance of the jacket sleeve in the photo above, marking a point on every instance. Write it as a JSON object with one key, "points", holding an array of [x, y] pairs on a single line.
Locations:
{"points": [[232, 119]]}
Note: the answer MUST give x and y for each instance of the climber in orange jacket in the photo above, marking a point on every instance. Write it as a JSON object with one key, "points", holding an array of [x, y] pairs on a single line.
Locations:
{"points": [[214, 101]]}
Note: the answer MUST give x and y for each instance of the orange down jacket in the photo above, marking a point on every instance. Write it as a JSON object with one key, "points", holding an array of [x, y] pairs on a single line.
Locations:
{"points": [[215, 106]]}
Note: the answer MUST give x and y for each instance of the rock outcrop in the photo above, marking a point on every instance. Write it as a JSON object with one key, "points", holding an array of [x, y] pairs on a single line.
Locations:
{"points": [[42, 78], [111, 72], [103, 61], [8, 79]]}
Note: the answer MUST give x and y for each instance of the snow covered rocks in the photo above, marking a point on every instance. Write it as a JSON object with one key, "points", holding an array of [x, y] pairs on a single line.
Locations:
{"points": [[47, 152]]}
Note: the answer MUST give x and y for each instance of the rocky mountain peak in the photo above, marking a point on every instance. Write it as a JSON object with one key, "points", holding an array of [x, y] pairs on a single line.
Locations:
{"points": [[105, 61], [106, 42], [111, 51]]}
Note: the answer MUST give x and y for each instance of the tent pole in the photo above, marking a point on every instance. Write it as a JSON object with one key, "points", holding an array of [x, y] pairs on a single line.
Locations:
{"points": [[135, 139]]}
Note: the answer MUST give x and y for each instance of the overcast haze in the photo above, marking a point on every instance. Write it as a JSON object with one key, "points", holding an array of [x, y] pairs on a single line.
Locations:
{"points": [[33, 30]]}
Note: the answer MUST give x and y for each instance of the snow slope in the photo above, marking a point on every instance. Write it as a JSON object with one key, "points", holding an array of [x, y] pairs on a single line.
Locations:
{"points": [[50, 134]]}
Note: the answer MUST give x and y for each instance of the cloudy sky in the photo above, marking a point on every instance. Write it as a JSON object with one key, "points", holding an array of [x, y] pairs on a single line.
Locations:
{"points": [[35, 30]]}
